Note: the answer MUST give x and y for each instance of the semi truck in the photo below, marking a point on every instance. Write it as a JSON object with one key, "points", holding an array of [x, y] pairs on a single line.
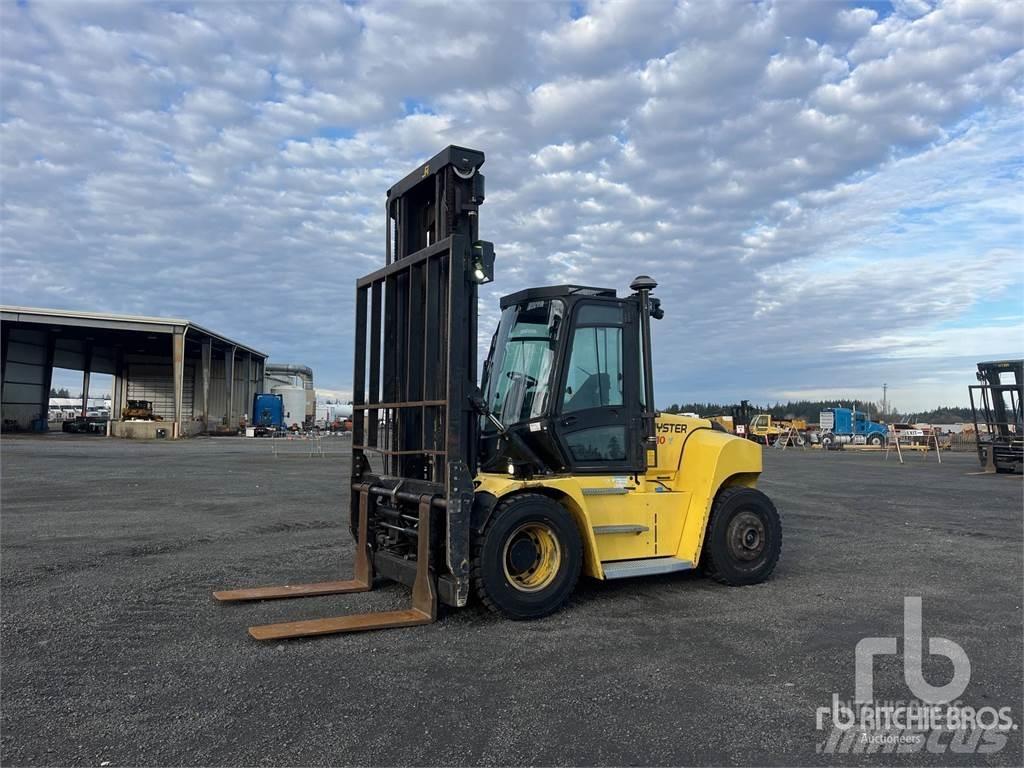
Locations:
{"points": [[840, 426], [267, 413]]}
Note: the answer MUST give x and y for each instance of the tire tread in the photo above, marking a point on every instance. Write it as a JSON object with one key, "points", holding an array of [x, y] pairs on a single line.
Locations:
{"points": [[476, 564], [710, 567]]}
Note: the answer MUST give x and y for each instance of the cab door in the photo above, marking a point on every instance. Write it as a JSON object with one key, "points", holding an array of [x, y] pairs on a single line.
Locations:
{"points": [[597, 411], [597, 424]]}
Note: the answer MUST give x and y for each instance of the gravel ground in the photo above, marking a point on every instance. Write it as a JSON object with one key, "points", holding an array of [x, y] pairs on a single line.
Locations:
{"points": [[114, 653]]}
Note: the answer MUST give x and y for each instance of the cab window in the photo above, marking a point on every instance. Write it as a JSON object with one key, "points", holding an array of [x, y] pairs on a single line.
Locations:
{"points": [[594, 377]]}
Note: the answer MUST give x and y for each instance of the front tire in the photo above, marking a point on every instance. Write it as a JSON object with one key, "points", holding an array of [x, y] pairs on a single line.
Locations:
{"points": [[744, 537], [875, 439], [528, 559]]}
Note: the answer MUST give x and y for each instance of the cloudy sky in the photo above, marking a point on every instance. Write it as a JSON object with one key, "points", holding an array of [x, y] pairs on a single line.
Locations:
{"points": [[829, 193]]}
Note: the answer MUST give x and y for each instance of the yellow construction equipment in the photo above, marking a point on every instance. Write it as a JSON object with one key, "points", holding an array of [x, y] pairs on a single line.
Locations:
{"points": [[559, 465], [728, 423], [764, 429]]}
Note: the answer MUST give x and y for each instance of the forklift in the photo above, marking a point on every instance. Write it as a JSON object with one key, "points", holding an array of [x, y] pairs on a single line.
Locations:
{"points": [[998, 411], [556, 465], [741, 418]]}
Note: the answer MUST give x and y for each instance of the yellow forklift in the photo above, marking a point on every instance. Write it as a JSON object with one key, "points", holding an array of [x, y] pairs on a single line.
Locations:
{"points": [[556, 465]]}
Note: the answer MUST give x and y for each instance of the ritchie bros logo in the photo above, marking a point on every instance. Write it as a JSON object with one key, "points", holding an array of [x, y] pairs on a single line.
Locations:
{"points": [[934, 720]]}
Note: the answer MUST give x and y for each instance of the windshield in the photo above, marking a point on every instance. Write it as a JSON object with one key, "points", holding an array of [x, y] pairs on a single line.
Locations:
{"points": [[519, 369]]}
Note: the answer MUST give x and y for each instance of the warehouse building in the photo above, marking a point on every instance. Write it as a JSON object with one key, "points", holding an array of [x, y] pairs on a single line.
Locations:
{"points": [[197, 381]]}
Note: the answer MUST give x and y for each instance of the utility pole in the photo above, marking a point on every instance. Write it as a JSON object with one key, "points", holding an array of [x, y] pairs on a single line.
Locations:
{"points": [[885, 402]]}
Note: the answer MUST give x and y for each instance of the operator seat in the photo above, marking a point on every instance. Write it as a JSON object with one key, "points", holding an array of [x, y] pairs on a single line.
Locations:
{"points": [[589, 393]]}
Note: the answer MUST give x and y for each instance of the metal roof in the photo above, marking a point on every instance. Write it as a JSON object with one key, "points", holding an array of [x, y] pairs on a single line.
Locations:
{"points": [[108, 321]]}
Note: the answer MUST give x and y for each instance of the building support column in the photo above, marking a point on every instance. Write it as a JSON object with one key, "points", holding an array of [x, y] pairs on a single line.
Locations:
{"points": [[119, 384], [229, 381], [249, 386], [122, 394], [86, 378], [44, 400], [5, 332], [205, 373], [178, 373]]}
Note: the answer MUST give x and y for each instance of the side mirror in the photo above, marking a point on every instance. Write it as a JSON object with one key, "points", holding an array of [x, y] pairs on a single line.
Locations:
{"points": [[554, 325]]}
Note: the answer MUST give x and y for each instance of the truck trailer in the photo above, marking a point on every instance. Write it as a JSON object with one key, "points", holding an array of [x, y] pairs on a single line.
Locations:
{"points": [[267, 412]]}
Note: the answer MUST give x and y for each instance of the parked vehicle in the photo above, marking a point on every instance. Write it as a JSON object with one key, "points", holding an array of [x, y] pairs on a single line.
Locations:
{"points": [[997, 403], [741, 418], [841, 426], [139, 410], [763, 429], [557, 465], [268, 411], [85, 425]]}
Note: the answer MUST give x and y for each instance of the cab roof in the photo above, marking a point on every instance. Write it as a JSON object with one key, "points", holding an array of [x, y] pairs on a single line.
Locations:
{"points": [[555, 291]]}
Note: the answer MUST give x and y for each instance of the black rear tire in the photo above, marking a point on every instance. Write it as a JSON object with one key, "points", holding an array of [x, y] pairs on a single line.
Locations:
{"points": [[743, 539], [528, 559]]}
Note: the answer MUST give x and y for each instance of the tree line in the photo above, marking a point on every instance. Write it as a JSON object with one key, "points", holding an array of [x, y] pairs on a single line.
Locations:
{"points": [[810, 410]]}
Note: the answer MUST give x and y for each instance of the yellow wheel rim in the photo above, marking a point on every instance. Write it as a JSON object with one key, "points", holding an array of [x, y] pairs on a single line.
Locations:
{"points": [[531, 557]]}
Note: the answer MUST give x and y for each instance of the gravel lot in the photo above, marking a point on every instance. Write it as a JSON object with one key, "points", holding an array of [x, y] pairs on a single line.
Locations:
{"points": [[114, 652]]}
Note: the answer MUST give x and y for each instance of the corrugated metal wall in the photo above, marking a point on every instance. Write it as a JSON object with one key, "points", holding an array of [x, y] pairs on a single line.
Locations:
{"points": [[150, 379], [24, 375], [244, 389]]}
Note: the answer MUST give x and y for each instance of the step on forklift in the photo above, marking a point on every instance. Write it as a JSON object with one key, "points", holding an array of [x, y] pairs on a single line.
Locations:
{"points": [[556, 465]]}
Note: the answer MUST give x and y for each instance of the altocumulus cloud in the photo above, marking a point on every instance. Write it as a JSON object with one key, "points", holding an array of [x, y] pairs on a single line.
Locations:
{"points": [[829, 194]]}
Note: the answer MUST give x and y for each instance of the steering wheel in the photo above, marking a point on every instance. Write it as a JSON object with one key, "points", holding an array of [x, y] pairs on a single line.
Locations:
{"points": [[530, 380]]}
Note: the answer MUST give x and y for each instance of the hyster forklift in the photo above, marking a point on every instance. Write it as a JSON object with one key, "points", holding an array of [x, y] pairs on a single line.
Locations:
{"points": [[557, 464]]}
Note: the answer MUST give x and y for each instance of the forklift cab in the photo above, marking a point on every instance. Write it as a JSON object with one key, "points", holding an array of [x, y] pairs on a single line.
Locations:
{"points": [[565, 378]]}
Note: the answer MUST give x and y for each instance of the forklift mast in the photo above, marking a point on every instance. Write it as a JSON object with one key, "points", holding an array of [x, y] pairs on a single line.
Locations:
{"points": [[1000, 385], [741, 417], [414, 430], [997, 406]]}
